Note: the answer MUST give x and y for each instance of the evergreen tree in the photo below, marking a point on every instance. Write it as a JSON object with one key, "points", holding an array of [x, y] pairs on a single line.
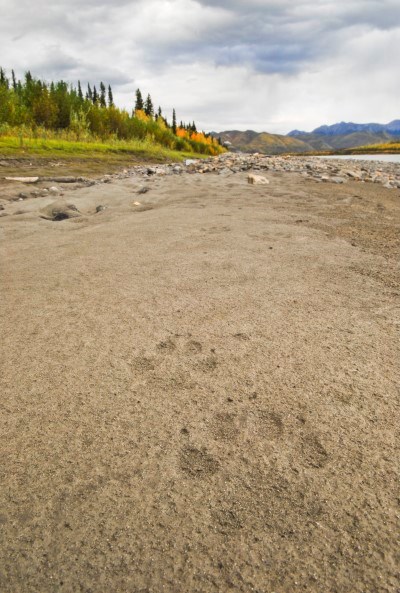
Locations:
{"points": [[14, 80], [95, 96], [80, 94], [174, 121], [89, 94], [159, 112], [3, 78], [139, 105], [148, 107], [110, 97], [102, 95]]}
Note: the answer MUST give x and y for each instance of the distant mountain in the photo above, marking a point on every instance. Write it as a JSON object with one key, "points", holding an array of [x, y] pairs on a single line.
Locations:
{"points": [[348, 135], [346, 128], [324, 138]]}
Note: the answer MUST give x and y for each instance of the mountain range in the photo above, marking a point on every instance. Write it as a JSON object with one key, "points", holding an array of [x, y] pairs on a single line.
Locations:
{"points": [[324, 138]]}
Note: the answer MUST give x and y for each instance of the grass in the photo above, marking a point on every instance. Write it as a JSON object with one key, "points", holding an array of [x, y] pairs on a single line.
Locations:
{"points": [[13, 146], [388, 148]]}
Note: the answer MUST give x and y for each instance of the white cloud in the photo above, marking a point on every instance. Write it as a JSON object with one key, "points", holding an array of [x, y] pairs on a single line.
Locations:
{"points": [[262, 64]]}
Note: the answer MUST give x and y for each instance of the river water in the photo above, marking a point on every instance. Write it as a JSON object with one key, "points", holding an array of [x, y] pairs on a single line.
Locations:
{"points": [[385, 158]]}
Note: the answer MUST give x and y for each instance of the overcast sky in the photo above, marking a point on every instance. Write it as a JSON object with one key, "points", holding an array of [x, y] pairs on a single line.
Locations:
{"points": [[266, 65]]}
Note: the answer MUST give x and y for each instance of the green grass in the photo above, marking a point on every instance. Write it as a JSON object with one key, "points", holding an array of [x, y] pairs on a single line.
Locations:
{"points": [[388, 148], [57, 148]]}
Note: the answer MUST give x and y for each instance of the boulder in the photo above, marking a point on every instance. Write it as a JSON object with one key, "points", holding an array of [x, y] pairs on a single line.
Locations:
{"points": [[59, 210], [257, 180]]}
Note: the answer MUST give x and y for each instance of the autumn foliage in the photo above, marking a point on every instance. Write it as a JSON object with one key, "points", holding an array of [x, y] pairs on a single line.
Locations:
{"points": [[33, 104]]}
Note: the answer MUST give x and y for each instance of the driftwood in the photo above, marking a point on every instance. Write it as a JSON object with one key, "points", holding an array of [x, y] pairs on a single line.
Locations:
{"points": [[23, 179], [54, 179], [66, 179]]}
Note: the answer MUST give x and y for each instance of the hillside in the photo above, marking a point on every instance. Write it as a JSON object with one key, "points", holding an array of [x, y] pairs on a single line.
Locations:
{"points": [[339, 141], [263, 142]]}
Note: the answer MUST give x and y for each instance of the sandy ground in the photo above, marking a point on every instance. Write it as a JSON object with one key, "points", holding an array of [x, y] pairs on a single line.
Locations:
{"points": [[200, 396]]}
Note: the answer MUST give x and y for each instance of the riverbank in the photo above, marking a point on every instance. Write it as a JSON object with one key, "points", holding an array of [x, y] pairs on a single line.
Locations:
{"points": [[199, 378]]}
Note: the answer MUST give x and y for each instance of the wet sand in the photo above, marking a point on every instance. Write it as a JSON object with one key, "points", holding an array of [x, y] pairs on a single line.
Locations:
{"points": [[198, 394]]}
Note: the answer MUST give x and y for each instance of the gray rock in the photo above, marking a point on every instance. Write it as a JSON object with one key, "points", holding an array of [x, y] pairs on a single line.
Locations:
{"points": [[59, 210]]}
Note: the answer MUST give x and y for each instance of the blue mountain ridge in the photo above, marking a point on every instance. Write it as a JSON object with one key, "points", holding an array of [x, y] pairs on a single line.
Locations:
{"points": [[344, 128]]}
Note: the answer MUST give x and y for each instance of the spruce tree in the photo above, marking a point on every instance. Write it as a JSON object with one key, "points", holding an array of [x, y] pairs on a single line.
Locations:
{"points": [[159, 113], [174, 121], [110, 97], [102, 95], [139, 105], [148, 107], [95, 96], [89, 94], [80, 94], [14, 80]]}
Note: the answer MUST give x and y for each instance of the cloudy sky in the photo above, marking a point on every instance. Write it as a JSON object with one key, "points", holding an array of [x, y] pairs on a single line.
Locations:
{"points": [[267, 65]]}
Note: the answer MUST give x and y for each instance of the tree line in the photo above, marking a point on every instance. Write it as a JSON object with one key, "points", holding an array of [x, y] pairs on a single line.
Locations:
{"points": [[34, 104]]}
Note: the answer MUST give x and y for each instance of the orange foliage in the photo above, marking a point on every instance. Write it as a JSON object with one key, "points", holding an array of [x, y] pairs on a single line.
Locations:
{"points": [[182, 133]]}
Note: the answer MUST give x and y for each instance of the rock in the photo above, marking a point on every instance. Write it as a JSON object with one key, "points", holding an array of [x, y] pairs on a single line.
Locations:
{"points": [[189, 162], [257, 180], [338, 180], [23, 196], [225, 171], [54, 191], [143, 190], [59, 210], [353, 174], [1, 207], [142, 207], [101, 208]]}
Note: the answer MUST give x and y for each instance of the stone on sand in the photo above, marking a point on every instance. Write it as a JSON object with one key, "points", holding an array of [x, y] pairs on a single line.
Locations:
{"points": [[59, 210], [257, 180]]}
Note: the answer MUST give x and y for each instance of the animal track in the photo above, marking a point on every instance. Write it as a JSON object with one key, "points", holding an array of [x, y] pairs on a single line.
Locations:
{"points": [[269, 424], [223, 427], [193, 347], [197, 463], [209, 363], [226, 520], [170, 345], [142, 363], [313, 452], [167, 346]]}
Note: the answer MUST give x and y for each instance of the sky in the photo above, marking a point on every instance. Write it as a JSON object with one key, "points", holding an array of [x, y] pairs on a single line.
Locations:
{"points": [[265, 65]]}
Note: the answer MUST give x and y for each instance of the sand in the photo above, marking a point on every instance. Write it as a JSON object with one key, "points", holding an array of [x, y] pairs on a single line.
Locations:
{"points": [[198, 394]]}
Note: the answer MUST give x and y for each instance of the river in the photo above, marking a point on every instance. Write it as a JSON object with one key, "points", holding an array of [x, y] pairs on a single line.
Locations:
{"points": [[385, 158]]}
